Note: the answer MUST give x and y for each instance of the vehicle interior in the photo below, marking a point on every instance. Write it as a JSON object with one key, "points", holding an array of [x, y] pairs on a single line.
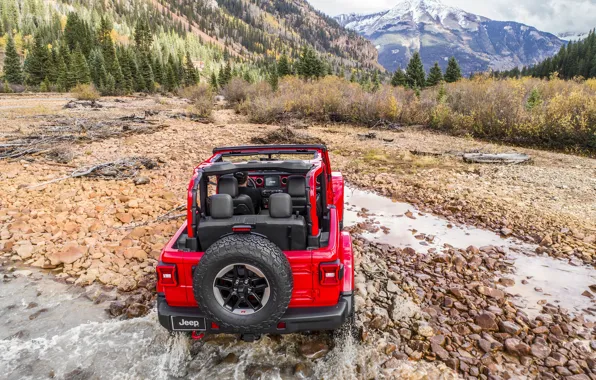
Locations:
{"points": [[267, 197]]}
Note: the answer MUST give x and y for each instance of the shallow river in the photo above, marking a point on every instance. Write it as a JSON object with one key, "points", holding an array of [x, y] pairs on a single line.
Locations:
{"points": [[49, 329]]}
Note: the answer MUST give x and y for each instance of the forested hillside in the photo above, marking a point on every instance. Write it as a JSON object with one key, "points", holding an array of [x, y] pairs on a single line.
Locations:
{"points": [[123, 46], [576, 59], [265, 28], [120, 46]]}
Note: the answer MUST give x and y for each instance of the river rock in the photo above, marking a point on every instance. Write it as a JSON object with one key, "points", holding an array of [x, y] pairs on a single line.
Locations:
{"points": [[141, 180], [68, 255], [516, 347], [425, 330], [439, 351], [509, 327], [490, 292], [116, 308], [380, 318], [230, 358], [314, 349], [391, 287], [539, 350], [25, 251], [136, 310], [487, 321]]}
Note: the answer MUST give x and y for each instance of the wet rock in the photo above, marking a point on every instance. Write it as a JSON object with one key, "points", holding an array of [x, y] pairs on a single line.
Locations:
{"points": [[79, 374], [303, 371], [507, 281], [259, 371], [314, 349], [487, 321], [136, 310], [230, 358], [516, 347], [37, 313], [117, 308]]}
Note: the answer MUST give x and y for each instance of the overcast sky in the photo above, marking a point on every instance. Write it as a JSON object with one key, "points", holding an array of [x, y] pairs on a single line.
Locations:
{"points": [[553, 16]]}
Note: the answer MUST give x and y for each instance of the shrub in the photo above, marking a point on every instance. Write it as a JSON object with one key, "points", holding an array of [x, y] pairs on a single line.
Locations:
{"points": [[531, 112], [201, 96], [85, 92]]}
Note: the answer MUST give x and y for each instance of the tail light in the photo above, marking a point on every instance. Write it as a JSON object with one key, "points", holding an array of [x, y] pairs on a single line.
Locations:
{"points": [[241, 229], [331, 273], [166, 275]]}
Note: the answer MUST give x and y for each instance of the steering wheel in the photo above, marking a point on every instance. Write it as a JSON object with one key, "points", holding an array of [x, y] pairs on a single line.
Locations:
{"points": [[251, 182]]}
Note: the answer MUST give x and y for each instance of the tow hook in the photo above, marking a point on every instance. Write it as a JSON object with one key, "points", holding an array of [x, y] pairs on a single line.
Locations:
{"points": [[250, 337], [197, 335]]}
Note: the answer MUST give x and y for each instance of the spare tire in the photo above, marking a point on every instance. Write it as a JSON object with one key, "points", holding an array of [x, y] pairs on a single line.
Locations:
{"points": [[243, 283]]}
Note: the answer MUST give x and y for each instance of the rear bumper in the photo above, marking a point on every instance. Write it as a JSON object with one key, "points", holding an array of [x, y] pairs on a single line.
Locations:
{"points": [[296, 319]]}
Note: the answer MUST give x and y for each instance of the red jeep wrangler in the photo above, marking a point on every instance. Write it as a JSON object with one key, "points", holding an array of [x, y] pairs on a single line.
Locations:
{"points": [[265, 252]]}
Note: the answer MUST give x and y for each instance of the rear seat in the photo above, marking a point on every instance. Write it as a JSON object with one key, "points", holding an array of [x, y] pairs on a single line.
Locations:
{"points": [[287, 231]]}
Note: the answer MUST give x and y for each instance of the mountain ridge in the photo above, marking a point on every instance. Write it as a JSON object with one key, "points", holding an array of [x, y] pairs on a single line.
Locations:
{"points": [[439, 31]]}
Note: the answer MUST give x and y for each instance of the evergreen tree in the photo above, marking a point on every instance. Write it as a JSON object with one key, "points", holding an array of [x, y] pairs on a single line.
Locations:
{"points": [[53, 67], [62, 79], [376, 83], [435, 76], [117, 75], [142, 35], [170, 82], [274, 78], [309, 66], [399, 78], [126, 73], [158, 70], [247, 77], [353, 76], [213, 81], [283, 66], [97, 68], [36, 65], [13, 72], [78, 72], [415, 76], [453, 72], [191, 75], [147, 74]]}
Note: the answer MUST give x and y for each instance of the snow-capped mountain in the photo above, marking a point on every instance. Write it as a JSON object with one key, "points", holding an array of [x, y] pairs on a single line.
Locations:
{"points": [[439, 31], [572, 36]]}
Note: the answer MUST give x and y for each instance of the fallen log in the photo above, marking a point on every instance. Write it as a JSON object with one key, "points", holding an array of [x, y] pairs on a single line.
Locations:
{"points": [[499, 158]]}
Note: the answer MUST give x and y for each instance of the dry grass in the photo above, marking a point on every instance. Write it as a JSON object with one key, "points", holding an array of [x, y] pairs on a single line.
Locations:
{"points": [[553, 113]]}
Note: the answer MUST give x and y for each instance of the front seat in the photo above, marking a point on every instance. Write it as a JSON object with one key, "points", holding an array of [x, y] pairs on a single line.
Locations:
{"points": [[242, 202], [297, 190]]}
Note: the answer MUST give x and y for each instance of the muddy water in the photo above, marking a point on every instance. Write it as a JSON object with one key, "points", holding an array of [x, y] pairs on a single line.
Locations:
{"points": [[546, 279]]}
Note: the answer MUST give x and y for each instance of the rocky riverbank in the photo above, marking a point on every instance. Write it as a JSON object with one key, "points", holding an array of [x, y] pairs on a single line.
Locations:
{"points": [[455, 307]]}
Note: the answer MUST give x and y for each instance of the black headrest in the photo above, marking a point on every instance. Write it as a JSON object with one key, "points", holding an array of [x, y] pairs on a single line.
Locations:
{"points": [[228, 185], [297, 186], [280, 205], [222, 206]]}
